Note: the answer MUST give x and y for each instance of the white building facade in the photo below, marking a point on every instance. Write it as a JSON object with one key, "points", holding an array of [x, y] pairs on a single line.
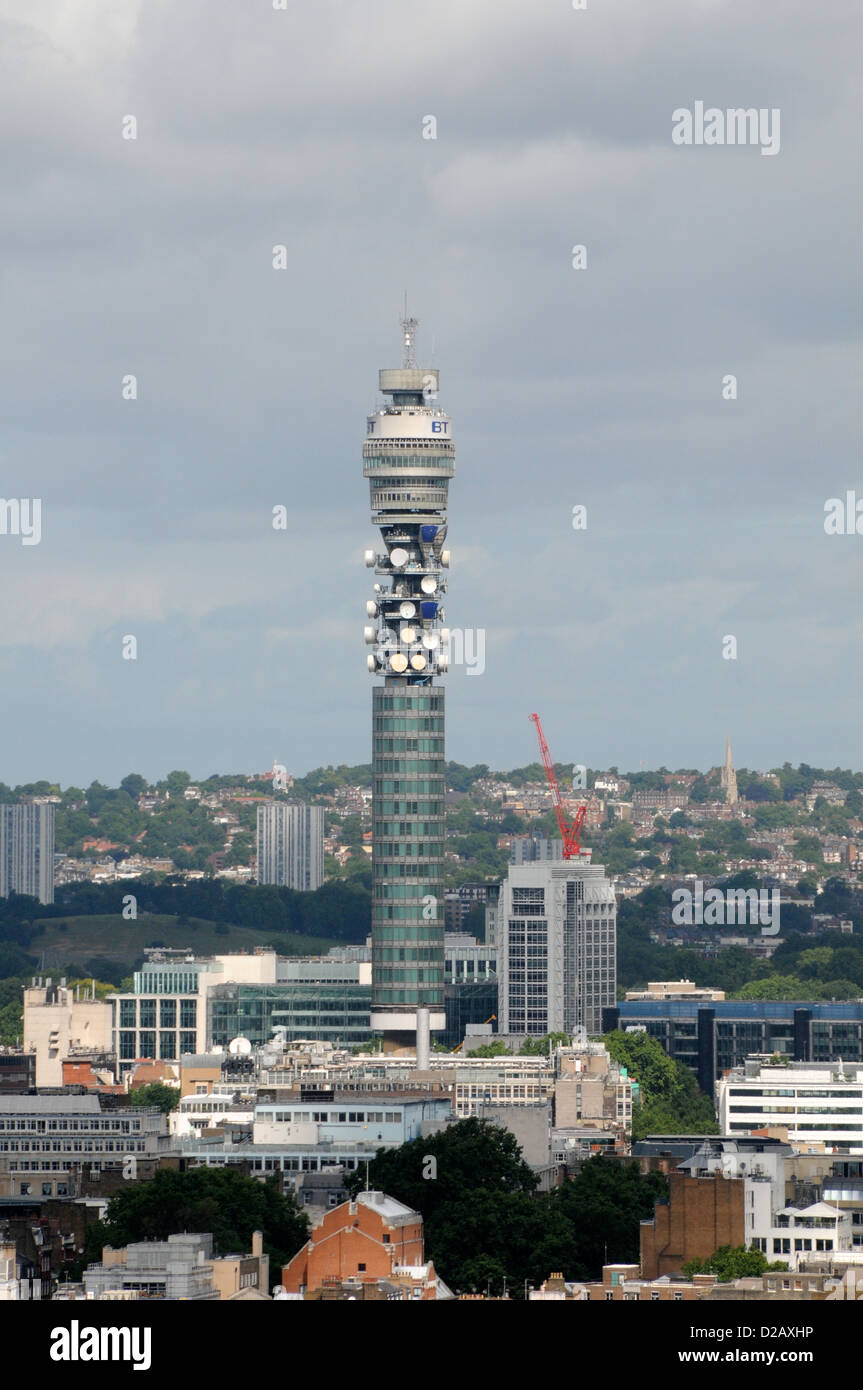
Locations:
{"points": [[815, 1104], [556, 938]]}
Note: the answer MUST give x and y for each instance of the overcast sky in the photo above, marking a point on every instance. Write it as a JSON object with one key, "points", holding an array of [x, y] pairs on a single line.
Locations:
{"points": [[601, 387]]}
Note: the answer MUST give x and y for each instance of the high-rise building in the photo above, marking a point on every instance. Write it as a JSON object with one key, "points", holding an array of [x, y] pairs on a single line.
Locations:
{"points": [[291, 845], [27, 850], [728, 777], [408, 458], [555, 926]]}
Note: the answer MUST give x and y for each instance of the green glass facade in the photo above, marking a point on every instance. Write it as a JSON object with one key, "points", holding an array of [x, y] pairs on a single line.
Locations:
{"points": [[336, 1012], [409, 789]]}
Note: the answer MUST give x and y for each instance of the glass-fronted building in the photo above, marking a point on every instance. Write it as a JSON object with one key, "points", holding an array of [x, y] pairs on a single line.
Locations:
{"points": [[712, 1038]]}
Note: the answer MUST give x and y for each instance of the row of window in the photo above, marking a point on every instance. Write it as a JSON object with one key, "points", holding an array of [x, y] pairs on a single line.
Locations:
{"points": [[171, 1045], [427, 764], [87, 1126], [416, 953], [408, 744], [419, 496], [413, 913], [445, 462], [408, 831], [143, 1013], [410, 996], [166, 982], [423, 701], [793, 1091], [402, 890], [417, 786], [385, 975], [391, 724], [75, 1146], [415, 933], [788, 1110], [410, 808], [783, 1247]]}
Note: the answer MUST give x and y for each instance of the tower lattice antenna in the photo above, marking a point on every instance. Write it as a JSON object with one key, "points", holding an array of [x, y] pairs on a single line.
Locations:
{"points": [[409, 329]]}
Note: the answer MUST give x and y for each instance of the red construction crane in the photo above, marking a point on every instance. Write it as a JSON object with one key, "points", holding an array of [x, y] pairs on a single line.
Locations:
{"points": [[570, 834]]}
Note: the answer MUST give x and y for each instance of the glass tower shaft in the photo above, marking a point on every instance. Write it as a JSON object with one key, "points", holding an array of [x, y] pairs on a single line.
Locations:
{"points": [[409, 458]]}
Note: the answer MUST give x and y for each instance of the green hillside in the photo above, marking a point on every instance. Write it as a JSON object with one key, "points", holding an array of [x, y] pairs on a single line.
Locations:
{"points": [[70, 942]]}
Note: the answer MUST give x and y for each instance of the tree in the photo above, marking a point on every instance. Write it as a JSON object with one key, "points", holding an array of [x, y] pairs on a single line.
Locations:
{"points": [[220, 1200], [134, 784], [729, 1263], [155, 1094], [699, 791], [605, 1203], [470, 1156], [497, 1048], [176, 782], [670, 1100]]}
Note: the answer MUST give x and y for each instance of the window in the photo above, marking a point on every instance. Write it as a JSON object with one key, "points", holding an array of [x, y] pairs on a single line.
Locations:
{"points": [[386, 1240], [361, 1269]]}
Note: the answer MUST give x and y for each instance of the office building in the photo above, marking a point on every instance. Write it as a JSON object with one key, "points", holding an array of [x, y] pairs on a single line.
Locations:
{"points": [[408, 458], [711, 1038], [555, 928], [44, 1140], [165, 1014], [182, 1267], [329, 1001], [815, 1105], [291, 845], [27, 850]]}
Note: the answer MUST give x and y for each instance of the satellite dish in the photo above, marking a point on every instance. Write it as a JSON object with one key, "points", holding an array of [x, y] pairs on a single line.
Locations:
{"points": [[399, 662], [428, 585], [371, 609], [239, 1047], [418, 662], [430, 641], [407, 610], [370, 634], [408, 635], [398, 557], [371, 662]]}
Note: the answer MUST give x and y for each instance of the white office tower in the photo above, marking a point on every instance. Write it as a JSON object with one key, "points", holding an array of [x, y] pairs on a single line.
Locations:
{"points": [[27, 850], [556, 929], [291, 845]]}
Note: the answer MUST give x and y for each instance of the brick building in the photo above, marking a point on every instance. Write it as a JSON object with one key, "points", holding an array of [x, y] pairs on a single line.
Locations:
{"points": [[372, 1238], [701, 1215]]}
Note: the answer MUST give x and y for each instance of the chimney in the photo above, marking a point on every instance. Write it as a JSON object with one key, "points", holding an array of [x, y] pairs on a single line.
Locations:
{"points": [[257, 1244], [423, 1040]]}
